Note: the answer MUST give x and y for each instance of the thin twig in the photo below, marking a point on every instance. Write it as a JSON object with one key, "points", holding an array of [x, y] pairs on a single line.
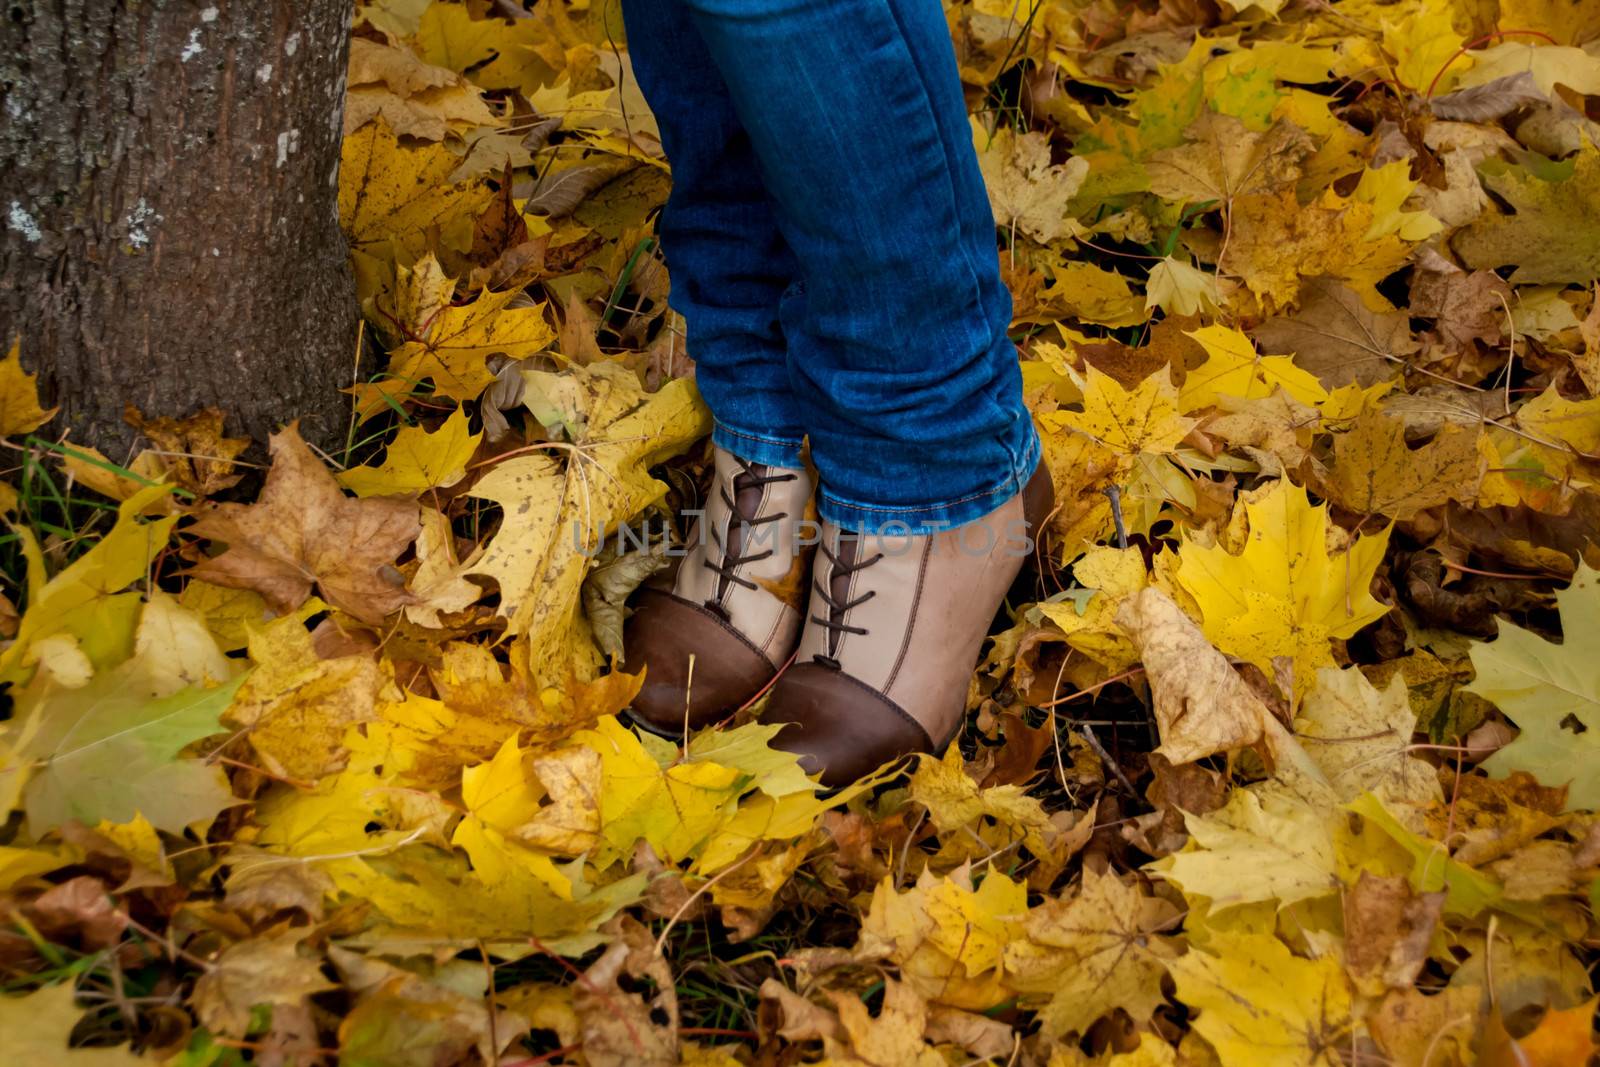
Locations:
{"points": [[1105, 758], [1114, 494]]}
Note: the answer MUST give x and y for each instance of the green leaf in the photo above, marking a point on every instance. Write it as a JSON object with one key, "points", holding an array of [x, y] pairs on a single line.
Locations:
{"points": [[1552, 692], [109, 751], [1553, 237]]}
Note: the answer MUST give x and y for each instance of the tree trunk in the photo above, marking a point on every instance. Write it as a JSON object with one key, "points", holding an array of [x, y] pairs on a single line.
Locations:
{"points": [[169, 232]]}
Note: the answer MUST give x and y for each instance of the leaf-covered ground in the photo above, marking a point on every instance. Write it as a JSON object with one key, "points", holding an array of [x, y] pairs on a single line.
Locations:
{"points": [[1287, 754]]}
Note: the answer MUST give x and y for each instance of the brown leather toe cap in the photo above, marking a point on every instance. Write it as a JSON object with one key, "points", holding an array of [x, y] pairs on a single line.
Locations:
{"points": [[839, 726], [660, 636]]}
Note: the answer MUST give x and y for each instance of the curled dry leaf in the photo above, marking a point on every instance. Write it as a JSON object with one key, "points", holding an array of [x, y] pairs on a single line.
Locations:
{"points": [[1201, 704]]}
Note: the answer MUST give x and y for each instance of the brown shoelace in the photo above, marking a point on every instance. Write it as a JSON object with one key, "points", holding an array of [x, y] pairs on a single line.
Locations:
{"points": [[729, 546], [840, 568]]}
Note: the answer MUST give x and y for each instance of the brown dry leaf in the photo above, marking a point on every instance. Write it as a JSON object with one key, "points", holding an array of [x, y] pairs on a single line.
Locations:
{"points": [[618, 1030], [1387, 929], [262, 883], [414, 98], [798, 1018], [193, 452], [1415, 1029], [1276, 241], [304, 532], [1466, 307], [130, 854], [1026, 191], [1375, 473], [79, 911], [983, 1037], [261, 971], [894, 1039], [1338, 338], [1224, 159]]}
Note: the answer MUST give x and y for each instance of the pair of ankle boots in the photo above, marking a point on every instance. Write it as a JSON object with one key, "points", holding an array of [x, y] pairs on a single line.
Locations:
{"points": [[884, 634]]}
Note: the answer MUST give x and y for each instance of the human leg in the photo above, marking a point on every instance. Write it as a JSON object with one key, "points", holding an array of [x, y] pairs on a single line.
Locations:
{"points": [[728, 262], [717, 632], [908, 385]]}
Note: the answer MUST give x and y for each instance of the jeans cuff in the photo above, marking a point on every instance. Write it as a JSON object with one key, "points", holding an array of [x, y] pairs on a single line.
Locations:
{"points": [[924, 519], [758, 448]]}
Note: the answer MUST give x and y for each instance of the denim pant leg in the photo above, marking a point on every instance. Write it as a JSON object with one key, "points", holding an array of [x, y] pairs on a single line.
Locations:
{"points": [[908, 385], [728, 262]]}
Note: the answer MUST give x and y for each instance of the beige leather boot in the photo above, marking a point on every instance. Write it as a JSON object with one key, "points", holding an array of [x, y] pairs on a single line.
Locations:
{"points": [[730, 617], [893, 633]]}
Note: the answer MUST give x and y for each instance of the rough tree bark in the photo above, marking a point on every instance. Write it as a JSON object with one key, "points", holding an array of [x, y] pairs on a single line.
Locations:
{"points": [[169, 233]]}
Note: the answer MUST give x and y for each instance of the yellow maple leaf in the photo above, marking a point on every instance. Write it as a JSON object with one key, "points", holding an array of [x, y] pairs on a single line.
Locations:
{"points": [[1093, 952], [956, 804], [449, 344], [1085, 291], [1259, 1004], [424, 743], [947, 937], [1114, 575], [1284, 593], [19, 864], [352, 811], [1423, 41], [767, 818], [1234, 369], [392, 195], [1178, 288], [295, 706], [19, 396], [503, 795], [417, 460], [1276, 241], [1555, 419], [557, 510], [84, 599], [675, 806], [229, 613], [1143, 419], [439, 583], [1360, 737], [1386, 188], [176, 648], [1269, 847], [1351, 399], [426, 894]]}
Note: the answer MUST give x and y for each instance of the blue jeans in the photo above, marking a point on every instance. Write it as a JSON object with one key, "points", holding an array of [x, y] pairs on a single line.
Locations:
{"points": [[833, 254]]}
